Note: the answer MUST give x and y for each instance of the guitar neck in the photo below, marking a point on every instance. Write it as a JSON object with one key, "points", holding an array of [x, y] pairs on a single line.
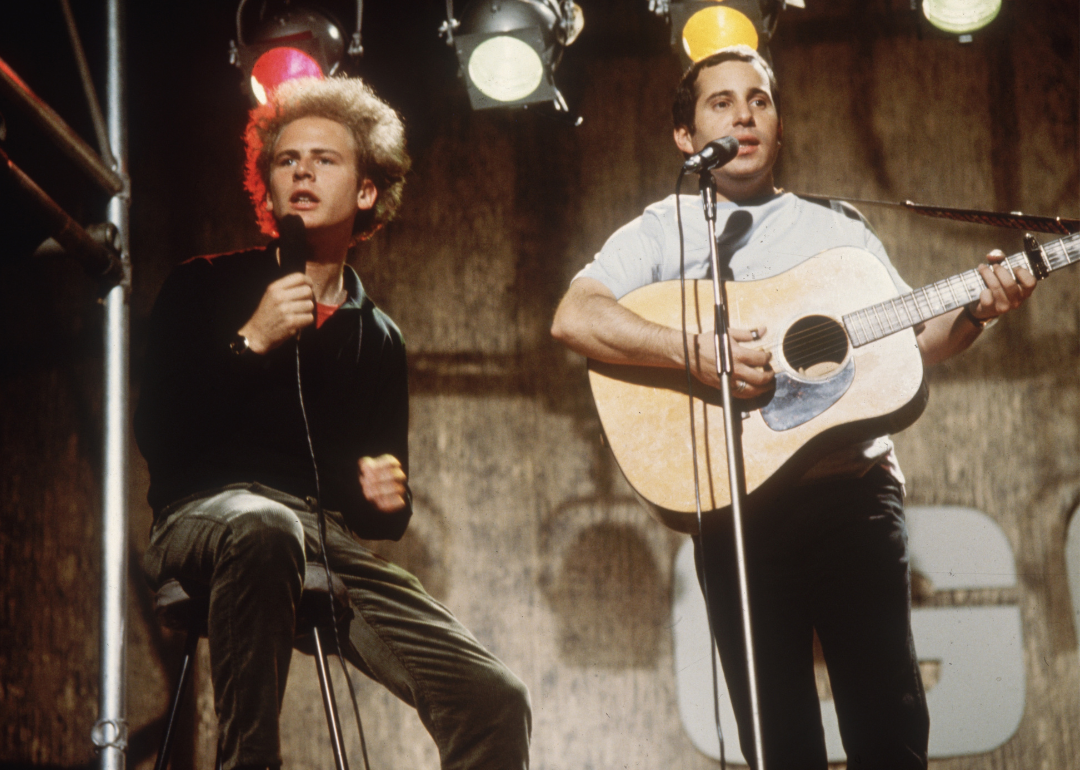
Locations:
{"points": [[885, 318]]}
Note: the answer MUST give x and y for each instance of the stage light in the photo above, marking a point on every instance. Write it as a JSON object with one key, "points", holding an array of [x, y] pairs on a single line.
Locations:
{"points": [[699, 28], [282, 41], [716, 27], [278, 65], [961, 16], [508, 49]]}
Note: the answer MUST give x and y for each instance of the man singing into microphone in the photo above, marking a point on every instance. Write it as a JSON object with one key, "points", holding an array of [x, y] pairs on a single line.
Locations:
{"points": [[828, 554], [270, 393]]}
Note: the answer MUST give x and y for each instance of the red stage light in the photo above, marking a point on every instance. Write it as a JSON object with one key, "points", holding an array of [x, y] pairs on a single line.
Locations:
{"points": [[278, 65]]}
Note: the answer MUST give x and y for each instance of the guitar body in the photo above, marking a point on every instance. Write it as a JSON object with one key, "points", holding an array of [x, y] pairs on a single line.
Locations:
{"points": [[829, 393]]}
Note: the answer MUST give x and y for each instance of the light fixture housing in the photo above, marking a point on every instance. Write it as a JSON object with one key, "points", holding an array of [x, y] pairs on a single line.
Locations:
{"points": [[960, 17], [699, 28], [286, 42], [508, 50]]}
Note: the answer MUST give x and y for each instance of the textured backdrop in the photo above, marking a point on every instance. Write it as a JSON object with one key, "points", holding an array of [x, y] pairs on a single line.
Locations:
{"points": [[524, 526]]}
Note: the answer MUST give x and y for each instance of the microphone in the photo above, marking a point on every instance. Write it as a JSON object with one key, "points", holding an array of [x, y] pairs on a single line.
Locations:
{"points": [[293, 246], [715, 154]]}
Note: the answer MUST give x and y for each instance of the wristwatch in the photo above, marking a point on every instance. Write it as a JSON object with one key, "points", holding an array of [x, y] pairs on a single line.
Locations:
{"points": [[239, 345]]}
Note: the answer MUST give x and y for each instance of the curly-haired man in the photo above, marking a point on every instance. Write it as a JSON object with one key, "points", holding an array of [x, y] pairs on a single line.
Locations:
{"points": [[269, 395]]}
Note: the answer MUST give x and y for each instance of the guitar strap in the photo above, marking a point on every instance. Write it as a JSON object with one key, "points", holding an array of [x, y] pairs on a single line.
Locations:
{"points": [[843, 208]]}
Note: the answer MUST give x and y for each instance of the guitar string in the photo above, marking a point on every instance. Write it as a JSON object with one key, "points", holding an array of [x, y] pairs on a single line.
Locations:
{"points": [[815, 339], [821, 337]]}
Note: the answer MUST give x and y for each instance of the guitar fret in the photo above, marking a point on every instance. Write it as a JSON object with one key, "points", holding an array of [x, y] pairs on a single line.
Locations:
{"points": [[872, 323], [974, 284], [950, 283], [868, 327], [858, 319], [977, 284], [896, 325], [1060, 259], [1063, 245], [1057, 255], [912, 319], [925, 303], [936, 295], [868, 320], [958, 289], [855, 329], [877, 317]]}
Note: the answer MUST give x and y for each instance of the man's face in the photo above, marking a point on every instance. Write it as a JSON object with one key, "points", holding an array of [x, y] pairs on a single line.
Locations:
{"points": [[734, 99], [313, 174]]}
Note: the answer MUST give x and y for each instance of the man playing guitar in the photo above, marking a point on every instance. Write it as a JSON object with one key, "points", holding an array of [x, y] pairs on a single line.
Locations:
{"points": [[828, 552]]}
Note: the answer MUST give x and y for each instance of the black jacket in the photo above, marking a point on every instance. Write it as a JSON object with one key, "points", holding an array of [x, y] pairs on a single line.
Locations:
{"points": [[207, 417]]}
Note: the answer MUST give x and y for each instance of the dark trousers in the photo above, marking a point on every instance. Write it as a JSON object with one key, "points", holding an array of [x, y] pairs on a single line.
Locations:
{"points": [[247, 546], [831, 557]]}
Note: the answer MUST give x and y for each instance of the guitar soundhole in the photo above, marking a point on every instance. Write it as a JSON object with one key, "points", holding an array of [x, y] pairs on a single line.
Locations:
{"points": [[815, 346]]}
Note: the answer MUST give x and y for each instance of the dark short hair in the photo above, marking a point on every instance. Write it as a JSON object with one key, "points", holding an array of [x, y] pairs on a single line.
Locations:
{"points": [[683, 108]]}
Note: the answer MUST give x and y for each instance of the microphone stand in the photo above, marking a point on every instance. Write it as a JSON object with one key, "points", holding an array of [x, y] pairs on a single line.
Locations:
{"points": [[725, 367]]}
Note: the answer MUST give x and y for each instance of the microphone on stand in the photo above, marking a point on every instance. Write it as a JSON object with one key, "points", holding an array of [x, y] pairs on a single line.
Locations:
{"points": [[716, 153], [293, 246]]}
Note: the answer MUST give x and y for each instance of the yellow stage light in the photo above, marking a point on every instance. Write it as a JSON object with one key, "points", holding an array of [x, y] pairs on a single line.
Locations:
{"points": [[714, 28]]}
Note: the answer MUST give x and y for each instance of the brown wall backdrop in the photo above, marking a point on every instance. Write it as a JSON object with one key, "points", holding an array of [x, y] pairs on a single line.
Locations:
{"points": [[524, 526]]}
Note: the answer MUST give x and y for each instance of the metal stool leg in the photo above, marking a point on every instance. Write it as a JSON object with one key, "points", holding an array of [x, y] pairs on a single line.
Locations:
{"points": [[181, 686], [329, 703]]}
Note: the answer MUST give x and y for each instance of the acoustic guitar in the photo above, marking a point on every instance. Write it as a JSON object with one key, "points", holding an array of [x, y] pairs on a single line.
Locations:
{"points": [[846, 362]]}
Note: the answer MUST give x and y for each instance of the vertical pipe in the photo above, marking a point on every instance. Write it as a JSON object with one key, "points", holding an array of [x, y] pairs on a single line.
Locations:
{"points": [[110, 732]]}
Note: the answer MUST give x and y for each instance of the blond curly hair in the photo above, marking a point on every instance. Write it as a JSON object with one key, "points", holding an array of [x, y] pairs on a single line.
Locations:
{"points": [[377, 131]]}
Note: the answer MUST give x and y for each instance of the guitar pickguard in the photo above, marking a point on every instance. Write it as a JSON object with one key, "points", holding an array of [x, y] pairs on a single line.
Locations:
{"points": [[796, 402]]}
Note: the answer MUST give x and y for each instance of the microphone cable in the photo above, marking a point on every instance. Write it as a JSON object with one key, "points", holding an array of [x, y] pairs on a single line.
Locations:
{"points": [[321, 518], [697, 479]]}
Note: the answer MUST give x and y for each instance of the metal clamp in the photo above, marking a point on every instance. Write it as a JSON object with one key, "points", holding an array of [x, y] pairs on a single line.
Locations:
{"points": [[110, 734], [1036, 257]]}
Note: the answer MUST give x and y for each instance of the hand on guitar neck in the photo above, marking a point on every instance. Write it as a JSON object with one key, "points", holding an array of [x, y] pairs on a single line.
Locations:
{"points": [[1006, 289]]}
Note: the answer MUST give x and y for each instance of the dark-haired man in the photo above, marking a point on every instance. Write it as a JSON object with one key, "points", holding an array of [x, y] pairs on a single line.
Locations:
{"points": [[829, 554], [242, 458]]}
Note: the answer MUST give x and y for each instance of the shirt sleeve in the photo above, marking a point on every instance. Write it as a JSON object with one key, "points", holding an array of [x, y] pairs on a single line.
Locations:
{"points": [[873, 244], [192, 383], [632, 257]]}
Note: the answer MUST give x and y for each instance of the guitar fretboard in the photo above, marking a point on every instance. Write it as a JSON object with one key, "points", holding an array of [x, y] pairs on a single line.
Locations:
{"points": [[907, 310]]}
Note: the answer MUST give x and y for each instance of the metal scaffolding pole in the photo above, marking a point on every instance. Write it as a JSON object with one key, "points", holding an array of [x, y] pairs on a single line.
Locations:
{"points": [[110, 731]]}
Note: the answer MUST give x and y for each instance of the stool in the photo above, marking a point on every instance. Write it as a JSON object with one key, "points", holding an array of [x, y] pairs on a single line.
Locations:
{"points": [[179, 611]]}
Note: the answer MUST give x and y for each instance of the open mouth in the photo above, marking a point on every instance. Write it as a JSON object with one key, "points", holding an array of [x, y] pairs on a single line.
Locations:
{"points": [[748, 145], [303, 197]]}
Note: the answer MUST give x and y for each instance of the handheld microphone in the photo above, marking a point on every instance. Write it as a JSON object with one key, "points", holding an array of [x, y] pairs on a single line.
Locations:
{"points": [[293, 246], [716, 153]]}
